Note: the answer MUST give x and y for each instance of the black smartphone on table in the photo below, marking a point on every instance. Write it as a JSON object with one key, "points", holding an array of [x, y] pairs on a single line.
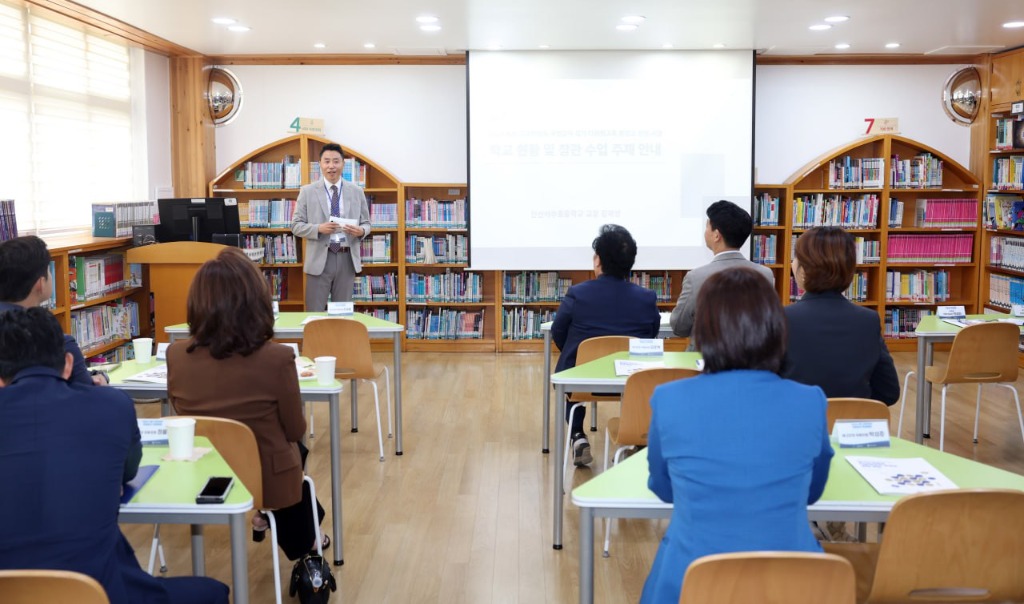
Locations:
{"points": [[216, 490]]}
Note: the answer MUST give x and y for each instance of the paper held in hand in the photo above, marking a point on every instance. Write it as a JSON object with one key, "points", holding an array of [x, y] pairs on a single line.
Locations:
{"points": [[900, 476]]}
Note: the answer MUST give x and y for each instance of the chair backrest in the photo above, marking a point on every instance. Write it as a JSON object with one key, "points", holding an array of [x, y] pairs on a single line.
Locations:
{"points": [[961, 546], [601, 346], [345, 339], [635, 418], [769, 578], [854, 408], [986, 352], [32, 586], [236, 443]]}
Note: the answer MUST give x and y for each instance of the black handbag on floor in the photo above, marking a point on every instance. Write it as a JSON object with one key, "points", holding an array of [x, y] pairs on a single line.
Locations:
{"points": [[312, 580]]}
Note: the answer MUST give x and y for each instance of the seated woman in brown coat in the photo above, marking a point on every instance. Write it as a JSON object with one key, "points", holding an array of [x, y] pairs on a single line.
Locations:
{"points": [[230, 368]]}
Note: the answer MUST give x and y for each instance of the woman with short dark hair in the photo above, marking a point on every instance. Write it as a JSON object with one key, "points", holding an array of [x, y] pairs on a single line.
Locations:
{"points": [[738, 450], [230, 368], [833, 343]]}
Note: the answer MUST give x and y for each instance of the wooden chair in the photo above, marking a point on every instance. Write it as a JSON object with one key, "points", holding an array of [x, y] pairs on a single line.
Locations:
{"points": [[768, 578], [960, 546], [349, 342], [590, 350], [32, 586], [236, 443], [854, 408], [630, 428], [985, 353]]}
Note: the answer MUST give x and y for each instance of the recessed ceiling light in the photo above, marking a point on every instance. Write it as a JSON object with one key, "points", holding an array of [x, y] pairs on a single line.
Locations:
{"points": [[633, 19], [626, 27], [430, 27], [319, 45], [667, 45], [842, 46], [836, 19], [223, 20], [820, 27], [1013, 24], [543, 46], [369, 45], [427, 19], [238, 28], [718, 46], [893, 45]]}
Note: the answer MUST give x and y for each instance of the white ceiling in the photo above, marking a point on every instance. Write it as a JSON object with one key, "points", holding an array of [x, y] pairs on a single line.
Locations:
{"points": [[778, 27]]}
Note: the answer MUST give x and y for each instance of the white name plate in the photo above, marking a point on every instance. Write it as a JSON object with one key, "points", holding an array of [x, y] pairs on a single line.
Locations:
{"points": [[644, 347], [1018, 310], [153, 431], [951, 312], [861, 433], [340, 309], [161, 350]]}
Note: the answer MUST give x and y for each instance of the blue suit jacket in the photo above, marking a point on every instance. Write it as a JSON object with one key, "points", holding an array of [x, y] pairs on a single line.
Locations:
{"points": [[740, 454], [68, 447], [605, 306], [837, 345]]}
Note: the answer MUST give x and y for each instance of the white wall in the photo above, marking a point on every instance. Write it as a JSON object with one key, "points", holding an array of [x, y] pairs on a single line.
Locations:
{"points": [[410, 120], [802, 112], [158, 123]]}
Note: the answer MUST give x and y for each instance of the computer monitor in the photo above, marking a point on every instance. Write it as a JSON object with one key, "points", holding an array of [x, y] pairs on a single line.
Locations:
{"points": [[197, 219]]}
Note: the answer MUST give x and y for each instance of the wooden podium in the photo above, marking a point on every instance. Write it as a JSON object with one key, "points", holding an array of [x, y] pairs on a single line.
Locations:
{"points": [[169, 268]]}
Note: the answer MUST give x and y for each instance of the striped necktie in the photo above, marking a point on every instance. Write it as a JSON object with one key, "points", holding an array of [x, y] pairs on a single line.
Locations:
{"points": [[335, 211]]}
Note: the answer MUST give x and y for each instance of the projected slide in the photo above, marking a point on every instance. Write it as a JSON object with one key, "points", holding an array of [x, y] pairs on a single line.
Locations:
{"points": [[563, 142]]}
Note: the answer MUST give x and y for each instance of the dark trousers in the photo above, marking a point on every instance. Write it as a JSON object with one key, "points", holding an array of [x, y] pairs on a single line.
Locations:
{"points": [[296, 534]]}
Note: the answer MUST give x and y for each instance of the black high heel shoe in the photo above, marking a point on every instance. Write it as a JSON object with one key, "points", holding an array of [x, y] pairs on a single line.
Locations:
{"points": [[259, 534]]}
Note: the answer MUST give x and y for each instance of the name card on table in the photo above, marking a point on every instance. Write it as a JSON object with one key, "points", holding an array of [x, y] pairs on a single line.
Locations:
{"points": [[1018, 310], [627, 367], [340, 308], [153, 431], [161, 350], [951, 312], [861, 433], [644, 347]]}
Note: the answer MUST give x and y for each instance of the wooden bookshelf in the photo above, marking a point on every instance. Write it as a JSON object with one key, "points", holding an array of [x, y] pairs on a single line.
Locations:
{"points": [[957, 182], [62, 250]]}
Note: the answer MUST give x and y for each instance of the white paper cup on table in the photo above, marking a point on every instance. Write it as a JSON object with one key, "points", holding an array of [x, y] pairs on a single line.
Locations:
{"points": [[143, 349], [181, 435], [325, 370]]}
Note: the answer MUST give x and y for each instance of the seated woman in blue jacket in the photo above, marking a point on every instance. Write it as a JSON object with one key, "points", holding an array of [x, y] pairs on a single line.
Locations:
{"points": [[738, 450]]}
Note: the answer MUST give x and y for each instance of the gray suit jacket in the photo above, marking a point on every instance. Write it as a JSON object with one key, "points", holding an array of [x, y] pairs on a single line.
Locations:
{"points": [[683, 313], [314, 208]]}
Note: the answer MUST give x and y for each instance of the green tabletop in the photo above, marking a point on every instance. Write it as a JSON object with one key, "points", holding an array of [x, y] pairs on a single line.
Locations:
{"points": [[119, 378], [177, 483], [602, 371], [625, 485], [933, 325], [292, 322]]}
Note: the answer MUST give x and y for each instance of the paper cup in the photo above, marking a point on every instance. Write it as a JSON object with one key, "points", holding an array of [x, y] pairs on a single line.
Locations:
{"points": [[324, 370], [143, 349], [181, 434]]}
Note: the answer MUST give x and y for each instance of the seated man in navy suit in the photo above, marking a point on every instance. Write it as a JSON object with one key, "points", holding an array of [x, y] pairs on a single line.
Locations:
{"points": [[65, 450], [606, 306]]}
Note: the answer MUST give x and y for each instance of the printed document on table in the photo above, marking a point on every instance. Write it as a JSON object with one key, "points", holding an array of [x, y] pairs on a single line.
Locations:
{"points": [[627, 367], [156, 375], [900, 476]]}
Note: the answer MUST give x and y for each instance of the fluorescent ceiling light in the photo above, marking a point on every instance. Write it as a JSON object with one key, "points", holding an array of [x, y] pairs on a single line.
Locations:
{"points": [[543, 46], [369, 45], [238, 28], [223, 20], [836, 19], [718, 46], [820, 27], [842, 46], [427, 19], [667, 45], [319, 45], [893, 45], [1013, 24]]}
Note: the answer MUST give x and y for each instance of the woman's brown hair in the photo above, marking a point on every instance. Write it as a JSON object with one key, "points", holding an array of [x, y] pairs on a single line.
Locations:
{"points": [[739, 322], [828, 257], [229, 307]]}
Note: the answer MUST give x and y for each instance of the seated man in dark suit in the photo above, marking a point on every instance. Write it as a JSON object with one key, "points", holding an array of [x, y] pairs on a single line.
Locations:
{"points": [[65, 450], [606, 306]]}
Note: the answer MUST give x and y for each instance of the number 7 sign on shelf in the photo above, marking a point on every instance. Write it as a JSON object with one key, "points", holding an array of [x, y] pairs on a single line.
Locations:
{"points": [[882, 125]]}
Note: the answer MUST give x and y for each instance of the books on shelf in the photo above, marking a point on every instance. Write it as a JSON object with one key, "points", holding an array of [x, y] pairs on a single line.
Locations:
{"points": [[946, 213], [523, 323], [436, 249], [856, 173], [1008, 172], [385, 314], [534, 286], [1006, 252], [902, 322], [285, 174], [661, 284], [116, 219], [1003, 211], [858, 289], [435, 213], [917, 286], [895, 213], [382, 215], [947, 248], [923, 171], [376, 249], [92, 277], [444, 324], [1005, 290], [277, 249], [277, 280], [763, 250], [868, 251], [1009, 134], [8, 220], [822, 209], [354, 171], [766, 210], [444, 287], [375, 288], [266, 213], [98, 325]]}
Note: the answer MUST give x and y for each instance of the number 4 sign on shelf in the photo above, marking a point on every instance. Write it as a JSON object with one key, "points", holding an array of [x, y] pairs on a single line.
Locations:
{"points": [[883, 125], [307, 125]]}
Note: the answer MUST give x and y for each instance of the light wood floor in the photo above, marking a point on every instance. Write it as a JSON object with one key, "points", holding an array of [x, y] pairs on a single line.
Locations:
{"points": [[465, 514]]}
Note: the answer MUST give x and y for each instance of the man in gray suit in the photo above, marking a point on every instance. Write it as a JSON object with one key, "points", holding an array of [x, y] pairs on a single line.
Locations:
{"points": [[332, 247], [727, 229]]}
